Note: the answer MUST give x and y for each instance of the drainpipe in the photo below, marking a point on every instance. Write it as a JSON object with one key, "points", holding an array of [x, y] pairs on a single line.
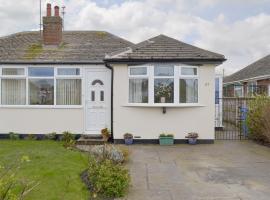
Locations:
{"points": [[112, 76]]}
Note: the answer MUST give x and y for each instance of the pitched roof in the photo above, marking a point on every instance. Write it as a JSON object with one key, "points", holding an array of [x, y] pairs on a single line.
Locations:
{"points": [[163, 48], [258, 68], [77, 46]]}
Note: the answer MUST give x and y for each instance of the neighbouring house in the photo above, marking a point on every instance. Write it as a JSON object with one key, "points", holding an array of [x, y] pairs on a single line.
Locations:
{"points": [[251, 80], [83, 81]]}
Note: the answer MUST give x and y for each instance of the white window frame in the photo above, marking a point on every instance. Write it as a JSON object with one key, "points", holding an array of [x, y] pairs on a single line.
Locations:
{"points": [[55, 77], [166, 77], [21, 77], [145, 76], [189, 77], [151, 78], [242, 90]]}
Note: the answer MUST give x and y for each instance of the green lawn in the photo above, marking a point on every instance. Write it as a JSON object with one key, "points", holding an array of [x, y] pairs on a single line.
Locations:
{"points": [[56, 168]]}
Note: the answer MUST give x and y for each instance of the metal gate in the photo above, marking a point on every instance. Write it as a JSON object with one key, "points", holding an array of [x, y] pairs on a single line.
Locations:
{"points": [[231, 119]]}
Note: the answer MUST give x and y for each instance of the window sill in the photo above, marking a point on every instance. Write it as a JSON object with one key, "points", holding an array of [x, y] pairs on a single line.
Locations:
{"points": [[40, 107], [186, 105]]}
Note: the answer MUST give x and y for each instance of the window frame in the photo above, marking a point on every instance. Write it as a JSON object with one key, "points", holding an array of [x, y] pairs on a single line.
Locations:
{"points": [[145, 76], [237, 87], [165, 77], [55, 77], [188, 77], [176, 78]]}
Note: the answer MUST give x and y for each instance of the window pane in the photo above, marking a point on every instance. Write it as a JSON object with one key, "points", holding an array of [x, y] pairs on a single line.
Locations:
{"points": [[13, 91], [41, 71], [41, 91], [188, 90], [138, 71], [164, 90], [164, 70], [238, 91], [188, 71], [68, 92], [138, 90], [12, 71], [93, 96], [101, 95], [68, 71]]}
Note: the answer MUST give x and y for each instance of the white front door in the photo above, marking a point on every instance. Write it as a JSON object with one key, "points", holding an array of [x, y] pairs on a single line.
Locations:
{"points": [[98, 100]]}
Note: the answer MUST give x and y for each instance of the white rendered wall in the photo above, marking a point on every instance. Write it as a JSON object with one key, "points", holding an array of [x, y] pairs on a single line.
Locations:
{"points": [[149, 122]]}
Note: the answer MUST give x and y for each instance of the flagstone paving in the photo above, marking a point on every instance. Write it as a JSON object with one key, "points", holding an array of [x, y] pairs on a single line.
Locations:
{"points": [[226, 170]]}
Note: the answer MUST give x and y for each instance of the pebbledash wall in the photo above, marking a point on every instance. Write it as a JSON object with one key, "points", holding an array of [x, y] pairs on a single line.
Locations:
{"points": [[147, 122]]}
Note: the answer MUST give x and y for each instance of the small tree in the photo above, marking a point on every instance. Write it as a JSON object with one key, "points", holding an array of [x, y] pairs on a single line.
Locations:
{"points": [[258, 119]]}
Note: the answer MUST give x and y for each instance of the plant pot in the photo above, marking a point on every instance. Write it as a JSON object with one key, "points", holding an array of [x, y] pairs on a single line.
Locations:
{"points": [[192, 141], [162, 99], [128, 141], [166, 141]]}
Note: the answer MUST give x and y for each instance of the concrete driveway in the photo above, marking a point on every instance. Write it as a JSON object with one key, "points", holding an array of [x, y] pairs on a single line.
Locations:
{"points": [[225, 170]]}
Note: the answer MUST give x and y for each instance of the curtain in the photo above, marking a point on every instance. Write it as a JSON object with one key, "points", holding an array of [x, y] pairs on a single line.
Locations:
{"points": [[13, 91], [68, 92], [138, 91], [188, 90]]}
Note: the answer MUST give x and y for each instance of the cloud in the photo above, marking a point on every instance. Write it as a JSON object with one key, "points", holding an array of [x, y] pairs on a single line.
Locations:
{"points": [[242, 41]]}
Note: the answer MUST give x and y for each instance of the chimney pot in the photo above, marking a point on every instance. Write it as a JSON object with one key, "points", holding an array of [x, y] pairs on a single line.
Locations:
{"points": [[49, 10], [56, 11]]}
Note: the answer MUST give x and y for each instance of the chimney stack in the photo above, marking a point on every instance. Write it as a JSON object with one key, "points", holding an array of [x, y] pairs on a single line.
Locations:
{"points": [[52, 27]]}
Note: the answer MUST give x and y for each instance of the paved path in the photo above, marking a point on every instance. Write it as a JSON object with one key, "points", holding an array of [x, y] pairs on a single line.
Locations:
{"points": [[226, 170]]}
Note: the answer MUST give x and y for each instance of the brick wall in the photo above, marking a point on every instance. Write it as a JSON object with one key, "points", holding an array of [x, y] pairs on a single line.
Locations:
{"points": [[52, 27]]}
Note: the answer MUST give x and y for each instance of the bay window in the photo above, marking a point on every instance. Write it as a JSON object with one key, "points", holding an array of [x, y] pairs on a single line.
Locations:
{"points": [[37, 86], [163, 84]]}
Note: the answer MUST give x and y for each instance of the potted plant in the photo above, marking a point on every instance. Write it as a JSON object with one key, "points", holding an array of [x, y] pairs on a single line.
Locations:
{"points": [[128, 137], [192, 138], [105, 134], [166, 139], [163, 92]]}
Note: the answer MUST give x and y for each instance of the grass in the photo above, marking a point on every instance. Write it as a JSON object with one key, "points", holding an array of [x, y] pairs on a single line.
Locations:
{"points": [[54, 167]]}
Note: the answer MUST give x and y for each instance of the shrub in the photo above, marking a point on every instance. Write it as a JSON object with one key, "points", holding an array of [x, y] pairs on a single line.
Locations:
{"points": [[166, 135], [258, 119], [68, 139], [192, 135], [105, 134], [110, 152], [51, 136], [125, 152], [108, 179], [13, 136], [31, 137], [10, 187], [128, 136]]}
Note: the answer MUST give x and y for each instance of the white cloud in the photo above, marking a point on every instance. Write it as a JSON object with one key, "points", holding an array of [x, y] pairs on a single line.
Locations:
{"points": [[242, 41]]}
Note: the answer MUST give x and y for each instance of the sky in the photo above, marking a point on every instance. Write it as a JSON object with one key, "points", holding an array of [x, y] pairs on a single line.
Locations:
{"points": [[238, 29]]}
